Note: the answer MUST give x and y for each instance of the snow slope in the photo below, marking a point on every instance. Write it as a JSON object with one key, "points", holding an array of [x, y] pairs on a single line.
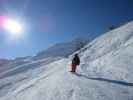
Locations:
{"points": [[22, 64], [105, 73], [25, 68]]}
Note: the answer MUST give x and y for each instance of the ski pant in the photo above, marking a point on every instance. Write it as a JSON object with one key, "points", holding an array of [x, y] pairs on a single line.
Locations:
{"points": [[73, 67]]}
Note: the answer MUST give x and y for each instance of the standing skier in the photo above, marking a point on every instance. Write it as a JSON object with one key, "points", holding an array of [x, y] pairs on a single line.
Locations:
{"points": [[75, 63]]}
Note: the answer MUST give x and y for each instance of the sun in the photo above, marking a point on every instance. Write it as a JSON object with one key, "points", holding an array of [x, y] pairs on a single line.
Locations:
{"points": [[12, 26]]}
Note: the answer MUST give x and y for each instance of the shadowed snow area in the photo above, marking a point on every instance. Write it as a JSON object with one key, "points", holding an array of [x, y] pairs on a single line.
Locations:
{"points": [[105, 73]]}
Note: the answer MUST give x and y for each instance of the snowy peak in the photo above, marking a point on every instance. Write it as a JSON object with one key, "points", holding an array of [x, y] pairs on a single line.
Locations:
{"points": [[63, 49]]}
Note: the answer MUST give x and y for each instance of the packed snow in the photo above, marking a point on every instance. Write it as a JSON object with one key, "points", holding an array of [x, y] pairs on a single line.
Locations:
{"points": [[105, 72]]}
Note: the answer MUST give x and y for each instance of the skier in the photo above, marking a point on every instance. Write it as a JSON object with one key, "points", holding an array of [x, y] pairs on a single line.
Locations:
{"points": [[75, 63]]}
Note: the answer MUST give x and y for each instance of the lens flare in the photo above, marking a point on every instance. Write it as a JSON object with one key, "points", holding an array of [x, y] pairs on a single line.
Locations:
{"points": [[14, 29], [12, 26]]}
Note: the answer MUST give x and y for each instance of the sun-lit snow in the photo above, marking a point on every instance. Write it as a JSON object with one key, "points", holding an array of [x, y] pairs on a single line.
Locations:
{"points": [[105, 72]]}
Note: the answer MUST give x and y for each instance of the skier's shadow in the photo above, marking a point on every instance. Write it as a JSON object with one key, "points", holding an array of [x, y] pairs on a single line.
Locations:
{"points": [[106, 80]]}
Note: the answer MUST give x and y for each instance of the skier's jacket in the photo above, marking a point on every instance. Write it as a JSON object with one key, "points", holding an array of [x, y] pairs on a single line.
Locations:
{"points": [[76, 60]]}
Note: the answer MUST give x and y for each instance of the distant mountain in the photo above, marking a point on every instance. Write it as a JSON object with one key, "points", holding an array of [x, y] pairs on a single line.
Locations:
{"points": [[3, 64], [4, 61], [63, 49]]}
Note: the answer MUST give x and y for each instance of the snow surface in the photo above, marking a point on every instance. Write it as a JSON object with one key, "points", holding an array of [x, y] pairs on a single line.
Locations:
{"points": [[105, 73]]}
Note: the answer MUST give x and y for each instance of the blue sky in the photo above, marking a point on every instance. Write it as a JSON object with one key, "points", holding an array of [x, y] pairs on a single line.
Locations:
{"points": [[52, 21]]}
